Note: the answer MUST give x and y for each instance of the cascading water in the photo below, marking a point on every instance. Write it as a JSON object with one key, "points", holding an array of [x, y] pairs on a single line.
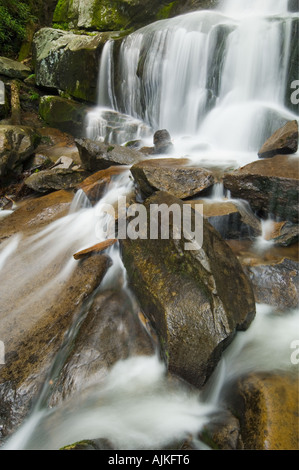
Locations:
{"points": [[216, 77], [217, 81]]}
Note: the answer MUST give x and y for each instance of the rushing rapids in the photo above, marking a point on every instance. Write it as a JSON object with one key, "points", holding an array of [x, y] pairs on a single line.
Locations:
{"points": [[217, 80]]}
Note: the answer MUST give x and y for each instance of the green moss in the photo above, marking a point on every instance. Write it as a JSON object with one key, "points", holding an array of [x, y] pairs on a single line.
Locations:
{"points": [[165, 11], [106, 16], [61, 11]]}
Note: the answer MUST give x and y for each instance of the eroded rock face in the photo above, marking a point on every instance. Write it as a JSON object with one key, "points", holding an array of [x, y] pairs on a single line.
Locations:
{"points": [[283, 141], [172, 175], [270, 186], [196, 300], [17, 144]]}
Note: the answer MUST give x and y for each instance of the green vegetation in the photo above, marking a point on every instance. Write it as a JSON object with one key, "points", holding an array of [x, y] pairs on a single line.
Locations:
{"points": [[14, 17]]}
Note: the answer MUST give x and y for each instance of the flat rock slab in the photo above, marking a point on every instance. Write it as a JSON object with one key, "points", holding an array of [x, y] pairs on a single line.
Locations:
{"points": [[175, 176]]}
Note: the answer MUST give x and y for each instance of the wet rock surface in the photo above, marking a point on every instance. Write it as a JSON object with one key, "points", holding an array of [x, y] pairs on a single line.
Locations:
{"points": [[270, 186], [172, 175], [189, 297]]}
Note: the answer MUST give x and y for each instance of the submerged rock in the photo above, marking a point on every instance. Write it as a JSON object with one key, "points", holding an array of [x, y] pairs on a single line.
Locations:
{"points": [[172, 175], [283, 141], [162, 142], [97, 156], [195, 299], [17, 144], [270, 186]]}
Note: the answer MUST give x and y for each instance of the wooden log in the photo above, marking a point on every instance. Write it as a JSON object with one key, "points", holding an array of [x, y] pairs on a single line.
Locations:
{"points": [[95, 249]]}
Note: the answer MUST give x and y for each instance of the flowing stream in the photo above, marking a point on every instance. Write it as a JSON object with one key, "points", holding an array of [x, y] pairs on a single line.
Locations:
{"points": [[216, 80]]}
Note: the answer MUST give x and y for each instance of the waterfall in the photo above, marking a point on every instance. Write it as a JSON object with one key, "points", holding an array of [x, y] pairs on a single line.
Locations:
{"points": [[218, 77], [216, 80]]}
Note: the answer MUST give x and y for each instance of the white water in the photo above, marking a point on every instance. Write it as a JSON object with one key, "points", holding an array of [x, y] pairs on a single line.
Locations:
{"points": [[218, 78], [136, 407]]}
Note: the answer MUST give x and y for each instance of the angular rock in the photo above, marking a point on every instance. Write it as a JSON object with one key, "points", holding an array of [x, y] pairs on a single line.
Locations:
{"points": [[172, 175], [270, 186], [64, 114], [195, 299], [55, 179], [68, 62], [267, 407], [13, 69], [97, 156], [17, 144], [233, 220], [223, 432], [283, 141]]}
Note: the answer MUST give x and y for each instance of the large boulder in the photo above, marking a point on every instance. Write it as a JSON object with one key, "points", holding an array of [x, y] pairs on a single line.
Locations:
{"points": [[66, 115], [196, 299], [68, 62], [175, 176], [96, 156], [17, 144], [283, 141], [270, 186]]}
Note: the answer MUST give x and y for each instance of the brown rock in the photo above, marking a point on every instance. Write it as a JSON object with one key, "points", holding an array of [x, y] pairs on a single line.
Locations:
{"points": [[172, 175], [95, 185], [270, 186], [34, 214], [283, 141], [195, 299], [267, 407]]}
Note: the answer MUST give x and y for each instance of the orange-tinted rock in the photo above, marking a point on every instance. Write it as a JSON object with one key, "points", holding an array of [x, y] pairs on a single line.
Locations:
{"points": [[267, 407], [283, 141]]}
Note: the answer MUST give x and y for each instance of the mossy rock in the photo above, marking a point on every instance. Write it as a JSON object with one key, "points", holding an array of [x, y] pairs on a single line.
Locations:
{"points": [[64, 114]]}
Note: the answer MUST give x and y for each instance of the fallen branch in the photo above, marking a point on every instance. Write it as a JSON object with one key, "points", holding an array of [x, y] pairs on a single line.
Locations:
{"points": [[95, 249]]}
